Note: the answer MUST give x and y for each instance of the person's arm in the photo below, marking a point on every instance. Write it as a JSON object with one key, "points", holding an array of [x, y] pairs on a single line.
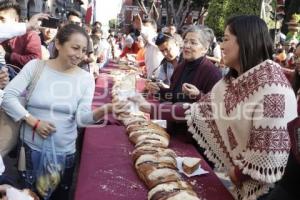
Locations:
{"points": [[166, 111], [15, 89], [15, 109], [84, 114], [9, 31], [146, 32]]}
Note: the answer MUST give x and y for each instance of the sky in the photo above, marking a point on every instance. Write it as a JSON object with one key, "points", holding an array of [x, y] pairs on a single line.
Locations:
{"points": [[107, 9]]}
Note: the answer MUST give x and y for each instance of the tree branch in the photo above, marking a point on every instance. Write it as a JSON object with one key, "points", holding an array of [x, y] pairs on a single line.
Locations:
{"points": [[186, 13], [180, 7], [142, 6], [173, 12], [155, 11]]}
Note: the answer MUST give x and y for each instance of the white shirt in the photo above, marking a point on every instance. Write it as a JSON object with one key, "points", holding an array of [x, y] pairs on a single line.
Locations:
{"points": [[153, 55], [9, 31]]}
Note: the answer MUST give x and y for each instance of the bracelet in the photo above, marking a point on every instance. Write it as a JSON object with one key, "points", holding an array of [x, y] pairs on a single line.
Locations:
{"points": [[34, 128]]}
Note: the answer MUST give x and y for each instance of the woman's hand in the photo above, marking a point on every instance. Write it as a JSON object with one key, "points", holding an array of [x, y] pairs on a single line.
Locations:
{"points": [[34, 22], [190, 90], [152, 87], [232, 176], [44, 129], [3, 189], [142, 103]]}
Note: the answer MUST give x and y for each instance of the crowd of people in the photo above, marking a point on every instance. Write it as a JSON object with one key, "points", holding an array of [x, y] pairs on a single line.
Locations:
{"points": [[235, 100]]}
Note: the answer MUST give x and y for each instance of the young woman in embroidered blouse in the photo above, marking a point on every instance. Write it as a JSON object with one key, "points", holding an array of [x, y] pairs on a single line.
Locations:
{"points": [[247, 132], [60, 102], [242, 122]]}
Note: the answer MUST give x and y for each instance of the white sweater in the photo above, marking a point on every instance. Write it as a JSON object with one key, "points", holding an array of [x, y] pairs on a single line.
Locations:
{"points": [[62, 99]]}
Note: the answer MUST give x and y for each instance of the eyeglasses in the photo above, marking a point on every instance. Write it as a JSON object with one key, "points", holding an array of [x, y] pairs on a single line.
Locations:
{"points": [[190, 42]]}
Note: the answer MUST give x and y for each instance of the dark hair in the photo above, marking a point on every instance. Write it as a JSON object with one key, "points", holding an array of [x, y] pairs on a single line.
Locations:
{"points": [[151, 21], [162, 38], [8, 4], [74, 13], [254, 41], [97, 22], [296, 77], [97, 30], [64, 34]]}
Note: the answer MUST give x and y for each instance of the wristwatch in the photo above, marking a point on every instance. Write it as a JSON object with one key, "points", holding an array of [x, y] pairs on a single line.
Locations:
{"points": [[26, 116]]}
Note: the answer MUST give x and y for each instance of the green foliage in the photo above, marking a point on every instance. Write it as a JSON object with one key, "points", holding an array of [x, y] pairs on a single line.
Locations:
{"points": [[220, 10], [243, 7], [297, 17], [216, 16], [112, 23]]}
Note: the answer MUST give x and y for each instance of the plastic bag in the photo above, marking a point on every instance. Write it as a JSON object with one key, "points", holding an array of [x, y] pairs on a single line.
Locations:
{"points": [[50, 169]]}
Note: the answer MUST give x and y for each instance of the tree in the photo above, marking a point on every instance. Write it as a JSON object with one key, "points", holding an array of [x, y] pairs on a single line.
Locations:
{"points": [[152, 11], [220, 10], [112, 23], [179, 10], [216, 16]]}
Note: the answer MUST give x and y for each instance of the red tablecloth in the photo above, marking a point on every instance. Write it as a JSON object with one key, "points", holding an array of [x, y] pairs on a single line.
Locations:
{"points": [[107, 173]]}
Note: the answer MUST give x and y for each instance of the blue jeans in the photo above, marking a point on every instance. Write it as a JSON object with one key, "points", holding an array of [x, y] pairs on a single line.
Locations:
{"points": [[29, 176]]}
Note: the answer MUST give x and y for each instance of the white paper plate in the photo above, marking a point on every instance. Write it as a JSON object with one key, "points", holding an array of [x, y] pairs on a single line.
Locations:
{"points": [[199, 171]]}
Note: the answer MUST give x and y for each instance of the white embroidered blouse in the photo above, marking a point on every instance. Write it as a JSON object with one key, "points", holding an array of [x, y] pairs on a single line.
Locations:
{"points": [[243, 123]]}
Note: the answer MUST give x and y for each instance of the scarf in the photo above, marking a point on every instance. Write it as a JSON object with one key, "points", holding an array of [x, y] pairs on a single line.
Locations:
{"points": [[243, 123]]}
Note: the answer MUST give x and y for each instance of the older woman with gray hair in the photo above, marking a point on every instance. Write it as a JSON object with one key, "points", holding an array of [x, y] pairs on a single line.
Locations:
{"points": [[196, 74]]}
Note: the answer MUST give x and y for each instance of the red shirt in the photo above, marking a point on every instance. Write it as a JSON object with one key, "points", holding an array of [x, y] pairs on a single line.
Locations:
{"points": [[134, 49], [23, 49]]}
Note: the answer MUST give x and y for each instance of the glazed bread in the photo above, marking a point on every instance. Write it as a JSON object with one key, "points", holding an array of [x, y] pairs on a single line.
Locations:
{"points": [[169, 189], [139, 137], [155, 143], [149, 131], [131, 120], [135, 126], [161, 175], [190, 165], [156, 158], [152, 150]]}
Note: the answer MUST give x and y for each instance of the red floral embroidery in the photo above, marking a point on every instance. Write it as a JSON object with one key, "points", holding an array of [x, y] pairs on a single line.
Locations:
{"points": [[206, 110], [232, 141], [274, 106], [269, 140], [264, 75]]}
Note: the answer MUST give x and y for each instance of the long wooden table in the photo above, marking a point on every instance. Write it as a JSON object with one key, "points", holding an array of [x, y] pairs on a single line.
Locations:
{"points": [[106, 169]]}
